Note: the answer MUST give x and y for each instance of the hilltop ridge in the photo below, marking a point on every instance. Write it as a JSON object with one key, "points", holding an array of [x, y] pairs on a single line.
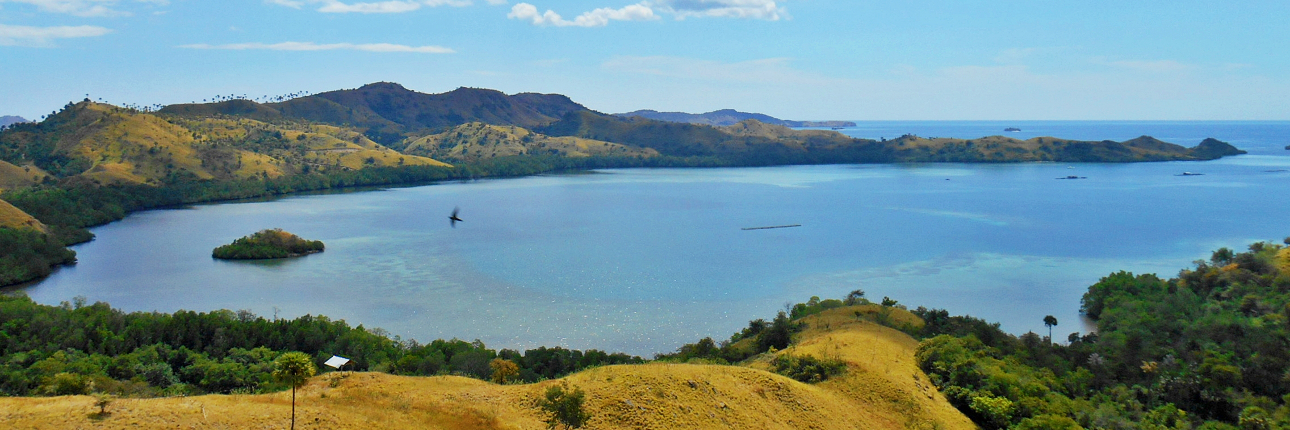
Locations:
{"points": [[387, 112], [727, 117], [10, 119]]}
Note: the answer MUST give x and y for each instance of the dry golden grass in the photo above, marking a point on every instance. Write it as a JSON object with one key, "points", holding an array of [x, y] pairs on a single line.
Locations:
{"points": [[12, 217], [883, 389], [1283, 260], [124, 146], [12, 176], [479, 141]]}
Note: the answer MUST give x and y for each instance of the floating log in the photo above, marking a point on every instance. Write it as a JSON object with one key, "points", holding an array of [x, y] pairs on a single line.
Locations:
{"points": [[770, 227]]}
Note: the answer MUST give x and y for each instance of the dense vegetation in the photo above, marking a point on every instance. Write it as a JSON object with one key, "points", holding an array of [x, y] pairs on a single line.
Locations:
{"points": [[271, 243], [77, 348], [28, 254], [1208, 349]]}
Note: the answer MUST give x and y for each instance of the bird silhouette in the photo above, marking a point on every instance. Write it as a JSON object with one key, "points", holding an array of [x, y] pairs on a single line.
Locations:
{"points": [[453, 218]]}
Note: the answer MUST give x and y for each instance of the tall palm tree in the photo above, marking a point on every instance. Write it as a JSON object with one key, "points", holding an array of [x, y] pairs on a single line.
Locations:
{"points": [[1050, 321], [294, 368]]}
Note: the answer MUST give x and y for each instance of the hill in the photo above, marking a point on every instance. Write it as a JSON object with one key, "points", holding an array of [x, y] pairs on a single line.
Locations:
{"points": [[399, 118], [104, 144], [1007, 149], [883, 389], [10, 119], [387, 112], [12, 217], [752, 142], [726, 117], [477, 141], [12, 176]]}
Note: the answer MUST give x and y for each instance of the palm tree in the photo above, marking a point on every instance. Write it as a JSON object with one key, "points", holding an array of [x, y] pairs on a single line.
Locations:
{"points": [[294, 368], [1050, 321]]}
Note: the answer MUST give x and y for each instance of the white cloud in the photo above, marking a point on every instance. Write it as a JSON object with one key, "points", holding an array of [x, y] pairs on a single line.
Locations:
{"points": [[389, 6], [87, 8], [310, 46], [650, 9], [20, 35], [596, 18], [755, 9], [288, 3]]}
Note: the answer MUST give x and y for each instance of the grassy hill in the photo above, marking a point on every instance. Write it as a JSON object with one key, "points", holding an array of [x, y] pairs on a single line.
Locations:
{"points": [[12, 217], [12, 176], [882, 389], [388, 112], [400, 118], [478, 141], [104, 144]]}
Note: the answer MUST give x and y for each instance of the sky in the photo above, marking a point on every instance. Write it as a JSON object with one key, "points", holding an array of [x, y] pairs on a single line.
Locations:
{"points": [[793, 59]]}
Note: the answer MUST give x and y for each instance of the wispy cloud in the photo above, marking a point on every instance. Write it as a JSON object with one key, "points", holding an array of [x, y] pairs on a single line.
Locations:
{"points": [[87, 8], [310, 46], [389, 6], [21, 35], [754, 9], [651, 9], [596, 18]]}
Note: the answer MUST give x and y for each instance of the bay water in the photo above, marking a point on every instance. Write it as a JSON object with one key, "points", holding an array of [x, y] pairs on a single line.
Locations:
{"points": [[645, 260]]}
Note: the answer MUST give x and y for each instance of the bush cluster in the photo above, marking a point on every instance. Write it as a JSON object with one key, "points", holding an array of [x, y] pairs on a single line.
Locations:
{"points": [[273, 243], [1207, 349], [77, 348]]}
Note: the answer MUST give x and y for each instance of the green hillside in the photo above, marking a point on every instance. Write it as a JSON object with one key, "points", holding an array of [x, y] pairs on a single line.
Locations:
{"points": [[474, 142], [388, 112]]}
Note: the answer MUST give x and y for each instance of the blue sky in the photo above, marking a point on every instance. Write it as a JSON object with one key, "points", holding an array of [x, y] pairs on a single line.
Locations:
{"points": [[794, 59]]}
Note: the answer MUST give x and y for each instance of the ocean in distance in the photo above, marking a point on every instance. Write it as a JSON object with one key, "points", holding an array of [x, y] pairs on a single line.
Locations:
{"points": [[644, 260]]}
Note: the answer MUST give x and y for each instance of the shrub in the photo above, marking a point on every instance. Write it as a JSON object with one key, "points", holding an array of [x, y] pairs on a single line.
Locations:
{"points": [[807, 368], [565, 406]]}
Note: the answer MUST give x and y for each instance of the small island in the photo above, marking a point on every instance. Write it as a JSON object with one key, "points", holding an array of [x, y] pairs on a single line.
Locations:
{"points": [[266, 244]]}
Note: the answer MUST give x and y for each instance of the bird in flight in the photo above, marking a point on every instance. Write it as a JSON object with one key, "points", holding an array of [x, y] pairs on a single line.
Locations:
{"points": [[453, 218]]}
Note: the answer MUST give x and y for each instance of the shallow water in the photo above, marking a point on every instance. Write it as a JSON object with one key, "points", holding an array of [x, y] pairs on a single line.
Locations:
{"points": [[644, 260]]}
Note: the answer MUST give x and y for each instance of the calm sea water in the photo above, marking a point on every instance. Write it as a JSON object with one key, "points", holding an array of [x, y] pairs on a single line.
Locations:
{"points": [[644, 260]]}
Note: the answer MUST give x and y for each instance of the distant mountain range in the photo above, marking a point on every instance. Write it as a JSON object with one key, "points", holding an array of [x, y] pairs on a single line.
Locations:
{"points": [[10, 119], [388, 112], [726, 117], [386, 125]]}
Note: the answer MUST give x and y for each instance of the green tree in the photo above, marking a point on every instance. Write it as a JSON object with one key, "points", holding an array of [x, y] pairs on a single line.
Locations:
{"points": [[565, 406], [1050, 321], [294, 368], [504, 370]]}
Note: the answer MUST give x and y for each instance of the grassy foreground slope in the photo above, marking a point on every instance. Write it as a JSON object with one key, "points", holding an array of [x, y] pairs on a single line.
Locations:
{"points": [[882, 389]]}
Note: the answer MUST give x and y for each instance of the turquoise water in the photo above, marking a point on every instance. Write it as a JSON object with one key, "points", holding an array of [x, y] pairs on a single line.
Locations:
{"points": [[644, 260]]}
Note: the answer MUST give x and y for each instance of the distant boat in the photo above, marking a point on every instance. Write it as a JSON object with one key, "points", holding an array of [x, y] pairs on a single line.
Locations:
{"points": [[771, 227], [838, 128], [1074, 177], [1191, 174], [1012, 129]]}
